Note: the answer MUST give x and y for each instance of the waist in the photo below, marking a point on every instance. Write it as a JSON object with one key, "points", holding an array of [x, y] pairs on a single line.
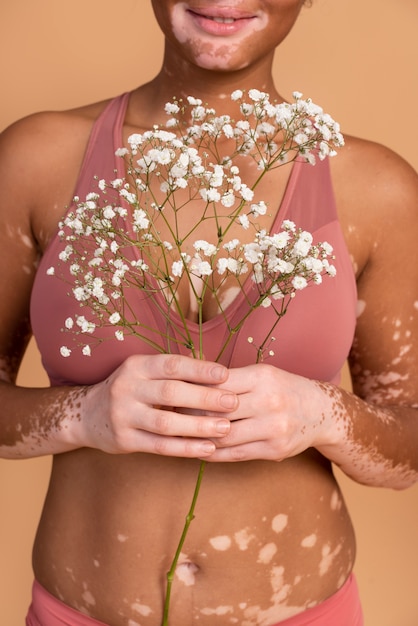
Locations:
{"points": [[111, 525]]}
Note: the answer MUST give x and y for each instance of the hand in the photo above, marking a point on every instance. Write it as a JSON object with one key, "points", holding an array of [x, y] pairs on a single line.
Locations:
{"points": [[134, 410], [279, 415]]}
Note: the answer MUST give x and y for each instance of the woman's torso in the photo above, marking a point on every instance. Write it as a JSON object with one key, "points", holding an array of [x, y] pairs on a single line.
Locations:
{"points": [[269, 539]]}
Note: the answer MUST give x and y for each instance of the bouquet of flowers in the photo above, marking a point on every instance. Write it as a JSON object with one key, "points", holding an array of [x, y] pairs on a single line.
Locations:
{"points": [[135, 232]]}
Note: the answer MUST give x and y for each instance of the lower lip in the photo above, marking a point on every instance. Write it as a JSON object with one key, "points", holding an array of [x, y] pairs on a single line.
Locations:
{"points": [[220, 28]]}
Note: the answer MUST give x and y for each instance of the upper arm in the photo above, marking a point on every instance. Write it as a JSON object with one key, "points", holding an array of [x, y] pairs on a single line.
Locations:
{"points": [[40, 158], [384, 357]]}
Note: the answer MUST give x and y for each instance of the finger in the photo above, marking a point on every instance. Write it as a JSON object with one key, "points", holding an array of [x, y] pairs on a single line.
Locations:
{"points": [[170, 446], [173, 424], [177, 393], [179, 367], [253, 451]]}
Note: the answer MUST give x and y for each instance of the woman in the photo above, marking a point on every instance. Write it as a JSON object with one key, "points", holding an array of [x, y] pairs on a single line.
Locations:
{"points": [[272, 542]]}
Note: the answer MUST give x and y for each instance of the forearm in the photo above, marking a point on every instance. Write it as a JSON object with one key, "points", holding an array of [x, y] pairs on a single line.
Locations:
{"points": [[39, 421], [374, 445]]}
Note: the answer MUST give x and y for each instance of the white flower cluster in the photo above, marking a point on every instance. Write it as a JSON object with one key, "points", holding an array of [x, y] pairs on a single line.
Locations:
{"points": [[184, 159]]}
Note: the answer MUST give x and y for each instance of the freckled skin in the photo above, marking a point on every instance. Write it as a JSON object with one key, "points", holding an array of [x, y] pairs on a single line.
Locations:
{"points": [[110, 490]]}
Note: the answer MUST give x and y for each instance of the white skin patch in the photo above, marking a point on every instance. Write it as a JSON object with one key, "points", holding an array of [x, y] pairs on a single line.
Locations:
{"points": [[220, 610], [335, 501], [360, 307], [416, 305], [88, 596], [131, 622], [309, 541], [185, 572], [71, 573], [279, 522], [327, 558], [221, 543], [243, 538], [266, 553], [96, 563], [122, 538], [142, 609]]}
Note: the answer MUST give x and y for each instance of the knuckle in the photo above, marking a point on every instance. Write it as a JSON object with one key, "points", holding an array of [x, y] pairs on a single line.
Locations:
{"points": [[172, 364], [160, 446], [238, 454], [162, 422], [168, 392]]}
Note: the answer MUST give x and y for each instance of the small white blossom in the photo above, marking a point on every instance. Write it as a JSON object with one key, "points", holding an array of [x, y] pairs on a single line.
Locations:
{"points": [[115, 318], [200, 268], [86, 350], [244, 221], [299, 282], [177, 268], [65, 352], [237, 94], [207, 248]]}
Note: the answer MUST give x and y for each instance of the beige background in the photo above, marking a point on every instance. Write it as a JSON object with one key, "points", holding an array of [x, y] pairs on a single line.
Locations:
{"points": [[358, 58]]}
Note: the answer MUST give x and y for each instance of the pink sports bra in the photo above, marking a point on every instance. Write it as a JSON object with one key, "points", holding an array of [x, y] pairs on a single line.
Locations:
{"points": [[313, 339]]}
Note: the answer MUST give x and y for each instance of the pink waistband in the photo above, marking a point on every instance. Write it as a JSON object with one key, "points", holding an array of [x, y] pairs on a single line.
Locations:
{"points": [[342, 608]]}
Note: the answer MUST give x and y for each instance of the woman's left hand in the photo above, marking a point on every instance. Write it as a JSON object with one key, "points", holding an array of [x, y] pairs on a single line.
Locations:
{"points": [[279, 416]]}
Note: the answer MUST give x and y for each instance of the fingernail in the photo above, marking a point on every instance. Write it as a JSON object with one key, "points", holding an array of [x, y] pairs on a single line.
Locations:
{"points": [[218, 373], [228, 400], [223, 427], [208, 448]]}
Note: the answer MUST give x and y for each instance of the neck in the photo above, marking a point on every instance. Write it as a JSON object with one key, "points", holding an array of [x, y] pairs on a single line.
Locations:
{"points": [[179, 79]]}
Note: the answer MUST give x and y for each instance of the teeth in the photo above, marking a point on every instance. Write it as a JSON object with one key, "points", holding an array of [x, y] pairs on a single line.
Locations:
{"points": [[223, 20]]}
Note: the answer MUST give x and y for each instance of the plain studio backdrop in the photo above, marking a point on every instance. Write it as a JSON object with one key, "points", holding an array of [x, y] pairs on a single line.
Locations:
{"points": [[358, 59]]}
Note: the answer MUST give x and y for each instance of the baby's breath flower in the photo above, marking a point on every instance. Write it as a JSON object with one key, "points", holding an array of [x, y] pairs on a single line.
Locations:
{"points": [[237, 95], [299, 282], [207, 248], [69, 323], [200, 268], [65, 352], [177, 268], [115, 318]]}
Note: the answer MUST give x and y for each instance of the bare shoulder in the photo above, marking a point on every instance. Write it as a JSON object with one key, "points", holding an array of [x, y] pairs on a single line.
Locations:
{"points": [[369, 174], [33, 143], [377, 198], [40, 158]]}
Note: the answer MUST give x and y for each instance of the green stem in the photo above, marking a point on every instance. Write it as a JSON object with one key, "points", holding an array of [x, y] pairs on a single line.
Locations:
{"points": [[189, 519]]}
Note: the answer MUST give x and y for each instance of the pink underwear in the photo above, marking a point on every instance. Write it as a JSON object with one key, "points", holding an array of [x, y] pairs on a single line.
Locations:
{"points": [[342, 609]]}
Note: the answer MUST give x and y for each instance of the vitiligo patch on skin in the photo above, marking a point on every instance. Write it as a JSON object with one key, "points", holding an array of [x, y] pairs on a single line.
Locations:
{"points": [[336, 502], [328, 557], [221, 543], [243, 538], [185, 572], [219, 610], [309, 541], [88, 598], [279, 522], [141, 609], [360, 308], [267, 553]]}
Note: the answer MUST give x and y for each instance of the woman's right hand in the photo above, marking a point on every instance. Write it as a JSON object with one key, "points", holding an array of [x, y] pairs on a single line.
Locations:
{"points": [[159, 404]]}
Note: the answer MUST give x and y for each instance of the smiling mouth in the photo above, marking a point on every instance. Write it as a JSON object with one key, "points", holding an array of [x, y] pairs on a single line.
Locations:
{"points": [[221, 20]]}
